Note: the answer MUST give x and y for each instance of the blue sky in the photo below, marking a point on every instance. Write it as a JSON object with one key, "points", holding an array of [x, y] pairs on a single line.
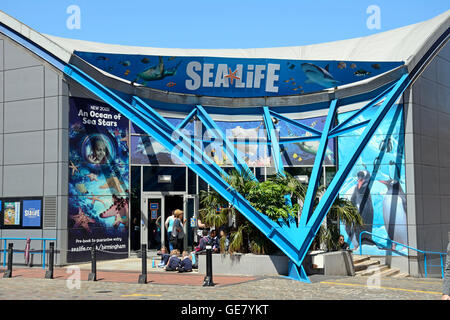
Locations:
{"points": [[219, 24]]}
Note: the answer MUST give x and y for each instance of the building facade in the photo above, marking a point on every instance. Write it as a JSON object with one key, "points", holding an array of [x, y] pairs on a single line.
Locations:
{"points": [[89, 138]]}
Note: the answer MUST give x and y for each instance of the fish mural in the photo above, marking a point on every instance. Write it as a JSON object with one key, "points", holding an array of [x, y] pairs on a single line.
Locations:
{"points": [[318, 75]]}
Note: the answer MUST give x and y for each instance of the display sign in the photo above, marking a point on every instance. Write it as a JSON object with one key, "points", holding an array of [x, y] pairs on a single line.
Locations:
{"points": [[235, 77], [11, 213], [31, 214], [154, 214], [98, 181], [154, 205]]}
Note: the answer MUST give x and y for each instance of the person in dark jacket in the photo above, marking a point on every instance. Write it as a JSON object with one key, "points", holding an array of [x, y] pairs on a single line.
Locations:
{"points": [[215, 241], [174, 261], [186, 263], [342, 245], [164, 258], [203, 241], [446, 284]]}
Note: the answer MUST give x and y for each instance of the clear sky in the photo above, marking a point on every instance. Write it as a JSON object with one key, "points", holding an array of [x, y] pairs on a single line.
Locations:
{"points": [[220, 23]]}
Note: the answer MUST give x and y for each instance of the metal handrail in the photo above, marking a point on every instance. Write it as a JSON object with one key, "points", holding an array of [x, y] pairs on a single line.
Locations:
{"points": [[415, 249], [43, 248]]}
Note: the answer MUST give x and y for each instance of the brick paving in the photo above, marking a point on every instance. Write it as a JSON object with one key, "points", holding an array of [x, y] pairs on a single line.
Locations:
{"points": [[154, 277]]}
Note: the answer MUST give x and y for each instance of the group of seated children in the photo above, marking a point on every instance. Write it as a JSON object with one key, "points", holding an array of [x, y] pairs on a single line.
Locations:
{"points": [[173, 262]]}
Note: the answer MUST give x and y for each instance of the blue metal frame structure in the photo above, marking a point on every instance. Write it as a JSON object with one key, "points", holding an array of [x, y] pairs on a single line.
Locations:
{"points": [[293, 240]]}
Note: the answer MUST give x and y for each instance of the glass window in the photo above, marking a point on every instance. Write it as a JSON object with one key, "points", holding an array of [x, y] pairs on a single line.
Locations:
{"points": [[164, 178]]}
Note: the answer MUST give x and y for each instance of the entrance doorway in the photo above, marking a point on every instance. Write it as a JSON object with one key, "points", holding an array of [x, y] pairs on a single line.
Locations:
{"points": [[172, 203], [156, 208]]}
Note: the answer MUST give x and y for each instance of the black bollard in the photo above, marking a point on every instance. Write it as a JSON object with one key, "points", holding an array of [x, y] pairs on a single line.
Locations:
{"points": [[143, 276], [49, 272], [8, 272], [93, 275], [208, 280]]}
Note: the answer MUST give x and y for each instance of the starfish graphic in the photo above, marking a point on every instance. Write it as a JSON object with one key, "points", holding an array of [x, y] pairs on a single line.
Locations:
{"points": [[73, 167], [82, 220], [119, 210], [95, 198], [113, 183], [232, 75], [92, 177]]}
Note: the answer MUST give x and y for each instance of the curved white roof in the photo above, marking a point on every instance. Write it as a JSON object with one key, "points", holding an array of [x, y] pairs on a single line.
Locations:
{"points": [[402, 44]]}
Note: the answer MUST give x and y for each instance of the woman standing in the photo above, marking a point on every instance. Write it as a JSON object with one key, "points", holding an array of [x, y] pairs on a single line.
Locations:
{"points": [[177, 230], [169, 227]]}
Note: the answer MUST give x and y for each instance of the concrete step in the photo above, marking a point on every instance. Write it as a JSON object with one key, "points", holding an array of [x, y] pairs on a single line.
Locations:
{"points": [[401, 275], [372, 270], [360, 258], [390, 272], [364, 265]]}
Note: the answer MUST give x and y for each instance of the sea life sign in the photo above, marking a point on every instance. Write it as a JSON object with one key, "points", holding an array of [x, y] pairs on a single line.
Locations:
{"points": [[235, 77], [98, 181]]}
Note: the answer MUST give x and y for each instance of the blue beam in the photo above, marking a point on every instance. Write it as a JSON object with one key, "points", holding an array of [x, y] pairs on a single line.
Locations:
{"points": [[295, 123], [337, 133], [318, 161], [298, 139], [272, 137], [230, 150], [309, 231], [373, 102], [186, 120]]}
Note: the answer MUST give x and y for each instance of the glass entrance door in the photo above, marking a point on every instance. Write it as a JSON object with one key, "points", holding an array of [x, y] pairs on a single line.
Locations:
{"points": [[156, 208], [152, 221]]}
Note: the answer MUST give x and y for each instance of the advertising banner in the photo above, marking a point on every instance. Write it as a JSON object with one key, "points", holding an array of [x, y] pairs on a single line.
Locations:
{"points": [[31, 213], [11, 213], [98, 181], [235, 77]]}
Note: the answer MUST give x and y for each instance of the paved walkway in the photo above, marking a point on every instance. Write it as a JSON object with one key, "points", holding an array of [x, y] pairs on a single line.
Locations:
{"points": [[29, 284]]}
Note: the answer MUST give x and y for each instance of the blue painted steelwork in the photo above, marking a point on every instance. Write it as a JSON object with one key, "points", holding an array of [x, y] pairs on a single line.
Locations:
{"points": [[186, 120], [293, 241], [317, 168], [230, 150], [308, 231], [295, 123], [5, 250], [425, 266], [150, 121], [272, 138]]}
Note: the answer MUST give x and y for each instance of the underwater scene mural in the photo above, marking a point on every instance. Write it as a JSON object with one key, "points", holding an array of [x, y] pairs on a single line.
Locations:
{"points": [[376, 185], [248, 137], [236, 77], [98, 181]]}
